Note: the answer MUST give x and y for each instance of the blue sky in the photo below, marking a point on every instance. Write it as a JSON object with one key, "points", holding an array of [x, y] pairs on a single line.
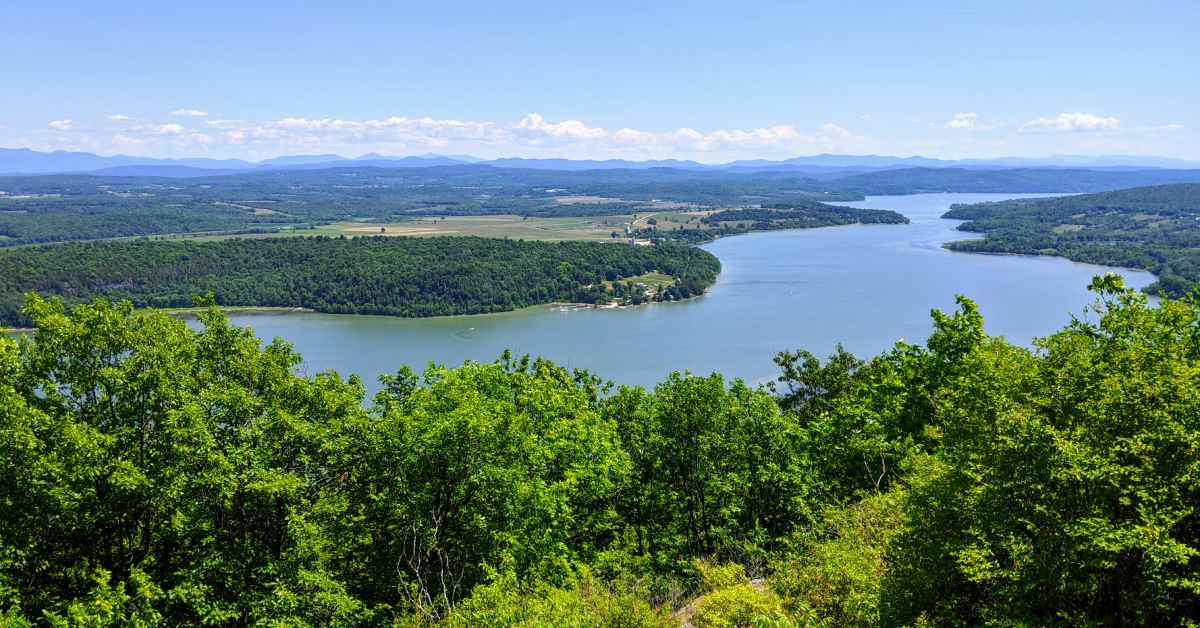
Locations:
{"points": [[703, 80]]}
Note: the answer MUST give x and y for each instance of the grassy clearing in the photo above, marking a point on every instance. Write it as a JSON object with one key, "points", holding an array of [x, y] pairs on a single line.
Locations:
{"points": [[682, 221], [586, 200], [652, 280], [506, 226], [592, 228], [320, 230], [597, 228]]}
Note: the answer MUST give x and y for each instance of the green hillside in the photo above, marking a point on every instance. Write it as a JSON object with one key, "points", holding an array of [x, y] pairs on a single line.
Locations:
{"points": [[1152, 228]]}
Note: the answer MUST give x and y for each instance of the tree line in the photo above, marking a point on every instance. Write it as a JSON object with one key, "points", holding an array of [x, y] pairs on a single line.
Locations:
{"points": [[157, 474], [793, 215], [810, 213]]}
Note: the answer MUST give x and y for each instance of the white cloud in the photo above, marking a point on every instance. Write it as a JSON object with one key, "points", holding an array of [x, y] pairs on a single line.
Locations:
{"points": [[193, 113], [1155, 128], [535, 125], [171, 137], [832, 130], [969, 120], [532, 135], [633, 136], [1065, 122], [60, 125], [865, 116]]}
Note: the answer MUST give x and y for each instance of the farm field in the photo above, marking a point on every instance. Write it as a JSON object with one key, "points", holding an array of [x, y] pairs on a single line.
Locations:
{"points": [[502, 226], [596, 228]]}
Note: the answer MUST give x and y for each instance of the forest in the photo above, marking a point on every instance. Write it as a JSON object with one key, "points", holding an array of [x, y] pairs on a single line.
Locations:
{"points": [[367, 275], [798, 215], [795, 215], [157, 474], [53, 208], [1154, 228]]}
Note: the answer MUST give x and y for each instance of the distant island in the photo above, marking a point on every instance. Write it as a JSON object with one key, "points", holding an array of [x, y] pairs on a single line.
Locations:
{"points": [[1154, 228]]}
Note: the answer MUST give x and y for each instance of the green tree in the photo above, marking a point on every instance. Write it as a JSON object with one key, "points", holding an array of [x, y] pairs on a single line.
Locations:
{"points": [[164, 459], [481, 469], [1066, 485], [716, 471]]}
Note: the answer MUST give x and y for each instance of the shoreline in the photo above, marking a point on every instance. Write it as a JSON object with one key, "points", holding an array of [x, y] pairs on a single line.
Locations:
{"points": [[945, 245], [189, 313], [193, 312]]}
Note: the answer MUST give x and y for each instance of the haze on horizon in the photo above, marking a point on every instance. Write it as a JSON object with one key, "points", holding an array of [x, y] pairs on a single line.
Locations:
{"points": [[703, 81]]}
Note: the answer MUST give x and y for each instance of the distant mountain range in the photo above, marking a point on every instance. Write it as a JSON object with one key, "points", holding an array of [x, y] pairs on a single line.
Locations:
{"points": [[25, 161]]}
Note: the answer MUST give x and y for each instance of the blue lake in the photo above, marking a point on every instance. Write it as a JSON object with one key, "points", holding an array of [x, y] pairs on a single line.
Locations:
{"points": [[863, 286]]}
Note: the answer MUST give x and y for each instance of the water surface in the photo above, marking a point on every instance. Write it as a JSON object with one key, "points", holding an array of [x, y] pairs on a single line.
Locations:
{"points": [[863, 286]]}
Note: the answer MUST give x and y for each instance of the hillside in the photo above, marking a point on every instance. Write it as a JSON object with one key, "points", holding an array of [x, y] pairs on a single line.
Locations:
{"points": [[1153, 228]]}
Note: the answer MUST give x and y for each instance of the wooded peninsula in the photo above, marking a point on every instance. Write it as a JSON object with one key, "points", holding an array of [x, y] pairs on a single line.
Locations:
{"points": [[1154, 228], [365, 275]]}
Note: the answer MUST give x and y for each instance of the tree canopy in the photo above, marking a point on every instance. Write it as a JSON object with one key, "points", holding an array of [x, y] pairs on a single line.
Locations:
{"points": [[155, 474], [370, 275]]}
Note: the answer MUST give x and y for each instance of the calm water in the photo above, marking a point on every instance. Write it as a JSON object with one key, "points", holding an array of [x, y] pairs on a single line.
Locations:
{"points": [[865, 286]]}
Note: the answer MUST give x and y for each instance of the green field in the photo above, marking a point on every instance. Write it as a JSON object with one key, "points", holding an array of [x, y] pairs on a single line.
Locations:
{"points": [[652, 280], [504, 226], [587, 228], [596, 228]]}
